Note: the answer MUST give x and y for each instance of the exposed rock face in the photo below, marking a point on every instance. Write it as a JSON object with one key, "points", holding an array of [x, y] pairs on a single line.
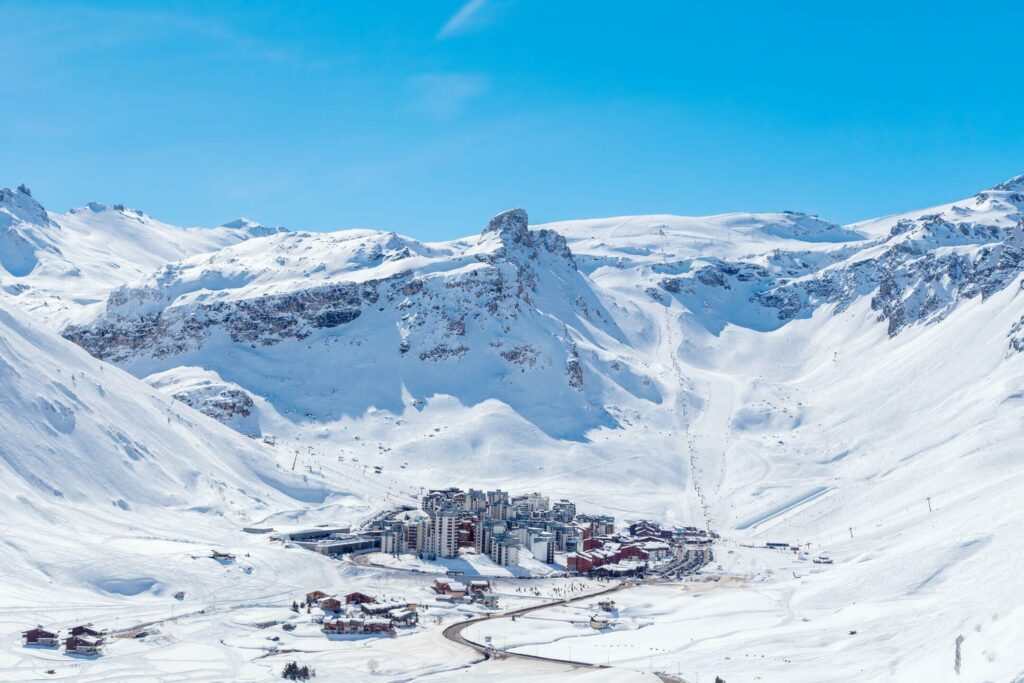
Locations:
{"points": [[264, 320], [224, 405], [918, 273]]}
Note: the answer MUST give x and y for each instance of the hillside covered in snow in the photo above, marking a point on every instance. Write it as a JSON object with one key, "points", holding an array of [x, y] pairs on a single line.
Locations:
{"points": [[774, 376]]}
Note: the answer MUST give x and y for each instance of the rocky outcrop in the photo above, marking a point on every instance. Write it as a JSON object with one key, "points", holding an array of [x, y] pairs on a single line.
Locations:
{"points": [[263, 320]]}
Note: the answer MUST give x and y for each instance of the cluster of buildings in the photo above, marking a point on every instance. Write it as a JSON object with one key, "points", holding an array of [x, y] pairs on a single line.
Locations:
{"points": [[81, 640], [630, 552], [502, 526], [493, 523], [359, 613], [474, 590]]}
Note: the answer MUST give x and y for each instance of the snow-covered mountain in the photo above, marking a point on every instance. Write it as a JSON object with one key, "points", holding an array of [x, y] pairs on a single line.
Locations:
{"points": [[60, 265], [551, 322], [776, 376], [384, 316]]}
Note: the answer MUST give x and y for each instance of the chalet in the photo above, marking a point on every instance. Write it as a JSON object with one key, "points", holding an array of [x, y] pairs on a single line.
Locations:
{"points": [[221, 556], [315, 597], [82, 646], [454, 589], [606, 605], [358, 598], [330, 605], [86, 630], [488, 600], [479, 585], [382, 608], [344, 625], [403, 617], [599, 622], [40, 636]]}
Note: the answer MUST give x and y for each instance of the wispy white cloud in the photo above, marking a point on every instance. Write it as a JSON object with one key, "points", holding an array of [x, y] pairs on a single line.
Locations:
{"points": [[471, 14], [446, 94]]}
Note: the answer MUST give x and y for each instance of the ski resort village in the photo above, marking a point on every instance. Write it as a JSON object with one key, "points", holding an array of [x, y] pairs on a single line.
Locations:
{"points": [[468, 574], [491, 533]]}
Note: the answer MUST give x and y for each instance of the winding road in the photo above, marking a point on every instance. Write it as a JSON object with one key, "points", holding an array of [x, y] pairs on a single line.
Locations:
{"points": [[454, 633]]}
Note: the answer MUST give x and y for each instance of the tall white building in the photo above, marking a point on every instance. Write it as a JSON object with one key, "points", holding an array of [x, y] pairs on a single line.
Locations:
{"points": [[444, 534], [542, 545], [505, 550]]}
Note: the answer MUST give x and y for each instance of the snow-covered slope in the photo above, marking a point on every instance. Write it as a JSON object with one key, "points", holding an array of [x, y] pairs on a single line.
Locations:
{"points": [[61, 264], [108, 484], [362, 319], [79, 432]]}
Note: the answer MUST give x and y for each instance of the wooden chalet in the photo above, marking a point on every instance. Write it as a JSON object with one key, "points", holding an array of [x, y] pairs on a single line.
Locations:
{"points": [[83, 646], [85, 630], [40, 636], [358, 598], [455, 589], [330, 604], [357, 625], [403, 617], [315, 597]]}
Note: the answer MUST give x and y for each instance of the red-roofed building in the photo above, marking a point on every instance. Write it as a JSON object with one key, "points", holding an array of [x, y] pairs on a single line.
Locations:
{"points": [[581, 563], [633, 552]]}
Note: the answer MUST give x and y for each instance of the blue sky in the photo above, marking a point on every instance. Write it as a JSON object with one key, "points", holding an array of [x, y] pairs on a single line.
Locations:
{"points": [[428, 117]]}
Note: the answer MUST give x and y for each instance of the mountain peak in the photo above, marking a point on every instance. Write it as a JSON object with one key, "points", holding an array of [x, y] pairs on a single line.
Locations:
{"points": [[1014, 184], [242, 222], [252, 227], [512, 222], [20, 204]]}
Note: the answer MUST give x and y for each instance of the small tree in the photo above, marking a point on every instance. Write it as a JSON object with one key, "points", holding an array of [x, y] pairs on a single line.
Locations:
{"points": [[293, 672], [372, 666]]}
